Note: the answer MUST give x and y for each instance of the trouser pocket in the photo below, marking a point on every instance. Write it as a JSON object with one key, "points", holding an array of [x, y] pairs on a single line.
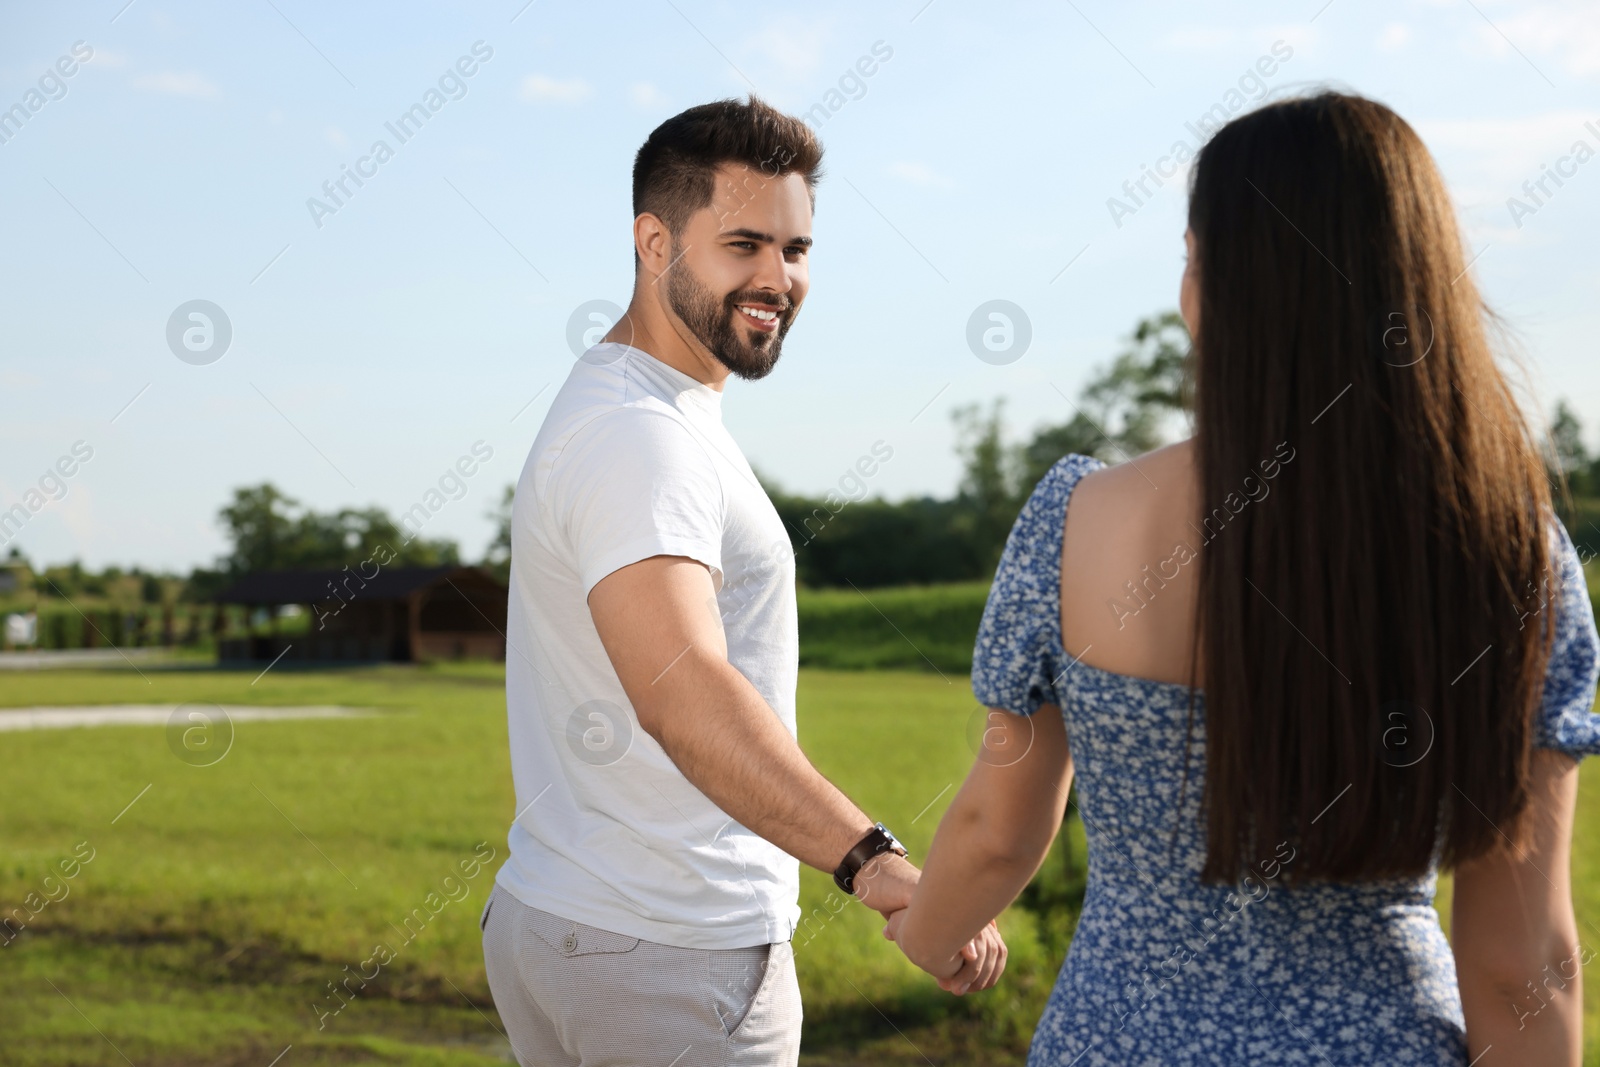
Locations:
{"points": [[737, 979]]}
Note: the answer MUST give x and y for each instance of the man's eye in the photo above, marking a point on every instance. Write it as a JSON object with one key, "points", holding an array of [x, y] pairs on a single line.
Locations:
{"points": [[742, 244]]}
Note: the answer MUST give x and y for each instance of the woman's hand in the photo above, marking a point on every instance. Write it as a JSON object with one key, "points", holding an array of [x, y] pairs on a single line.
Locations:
{"points": [[978, 965]]}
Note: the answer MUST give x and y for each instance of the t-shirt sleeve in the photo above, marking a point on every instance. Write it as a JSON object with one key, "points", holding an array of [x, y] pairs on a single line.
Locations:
{"points": [[1567, 721], [1016, 663], [632, 484]]}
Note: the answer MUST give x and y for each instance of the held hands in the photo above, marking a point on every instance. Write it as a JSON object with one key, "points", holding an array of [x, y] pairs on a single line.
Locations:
{"points": [[978, 965], [885, 884]]}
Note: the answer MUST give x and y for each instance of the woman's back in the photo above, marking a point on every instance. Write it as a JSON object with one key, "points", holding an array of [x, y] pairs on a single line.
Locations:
{"points": [[1127, 600], [1164, 968]]}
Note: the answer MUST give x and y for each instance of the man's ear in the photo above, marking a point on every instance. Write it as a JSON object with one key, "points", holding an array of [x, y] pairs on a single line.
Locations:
{"points": [[652, 243]]}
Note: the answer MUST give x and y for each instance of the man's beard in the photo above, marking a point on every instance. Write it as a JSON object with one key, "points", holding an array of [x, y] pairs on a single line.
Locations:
{"points": [[712, 321]]}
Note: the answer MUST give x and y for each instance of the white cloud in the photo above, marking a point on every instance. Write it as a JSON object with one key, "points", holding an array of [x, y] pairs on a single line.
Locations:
{"points": [[792, 46], [1395, 35], [1238, 42], [645, 95], [539, 87], [1507, 145], [1195, 39], [12, 378], [920, 174], [188, 83], [1568, 33], [1486, 161], [104, 57]]}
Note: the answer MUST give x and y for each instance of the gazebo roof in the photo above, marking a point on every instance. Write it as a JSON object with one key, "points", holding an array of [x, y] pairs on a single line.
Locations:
{"points": [[310, 586]]}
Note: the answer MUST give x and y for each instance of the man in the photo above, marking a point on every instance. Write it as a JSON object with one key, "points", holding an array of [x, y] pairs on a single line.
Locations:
{"points": [[645, 912]]}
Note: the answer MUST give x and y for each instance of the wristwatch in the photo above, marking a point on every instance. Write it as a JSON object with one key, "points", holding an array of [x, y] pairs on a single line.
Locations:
{"points": [[878, 839]]}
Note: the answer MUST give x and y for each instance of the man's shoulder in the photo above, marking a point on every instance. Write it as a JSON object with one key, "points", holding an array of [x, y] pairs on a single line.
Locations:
{"points": [[587, 437], [597, 400]]}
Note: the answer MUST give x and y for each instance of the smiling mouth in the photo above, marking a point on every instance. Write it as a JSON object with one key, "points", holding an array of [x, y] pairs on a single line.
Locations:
{"points": [[761, 317]]}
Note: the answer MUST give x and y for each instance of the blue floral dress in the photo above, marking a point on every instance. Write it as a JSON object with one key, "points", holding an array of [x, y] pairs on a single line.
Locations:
{"points": [[1166, 971]]}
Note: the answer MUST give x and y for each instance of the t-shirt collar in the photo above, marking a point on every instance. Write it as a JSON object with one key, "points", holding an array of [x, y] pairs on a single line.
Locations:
{"points": [[685, 389]]}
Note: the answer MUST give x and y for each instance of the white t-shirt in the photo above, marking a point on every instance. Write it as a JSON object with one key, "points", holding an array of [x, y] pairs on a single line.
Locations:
{"points": [[632, 462]]}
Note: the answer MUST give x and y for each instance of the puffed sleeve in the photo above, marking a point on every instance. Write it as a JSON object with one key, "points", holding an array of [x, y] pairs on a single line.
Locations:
{"points": [[1018, 658], [1567, 721]]}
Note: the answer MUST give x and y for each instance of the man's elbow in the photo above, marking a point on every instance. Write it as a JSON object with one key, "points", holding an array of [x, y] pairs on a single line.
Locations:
{"points": [[652, 720]]}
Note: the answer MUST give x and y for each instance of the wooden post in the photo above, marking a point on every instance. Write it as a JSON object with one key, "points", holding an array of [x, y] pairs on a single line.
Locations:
{"points": [[414, 624]]}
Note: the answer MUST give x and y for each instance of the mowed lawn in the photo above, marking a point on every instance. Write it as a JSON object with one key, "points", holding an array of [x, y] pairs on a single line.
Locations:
{"points": [[220, 909]]}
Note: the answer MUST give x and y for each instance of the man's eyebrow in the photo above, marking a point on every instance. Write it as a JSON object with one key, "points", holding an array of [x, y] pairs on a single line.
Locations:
{"points": [[766, 238]]}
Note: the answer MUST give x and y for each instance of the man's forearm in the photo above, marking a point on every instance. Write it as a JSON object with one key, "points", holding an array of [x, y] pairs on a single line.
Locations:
{"points": [[728, 742]]}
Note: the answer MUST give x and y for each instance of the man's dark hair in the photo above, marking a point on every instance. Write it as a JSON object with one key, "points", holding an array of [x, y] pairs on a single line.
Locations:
{"points": [[674, 172]]}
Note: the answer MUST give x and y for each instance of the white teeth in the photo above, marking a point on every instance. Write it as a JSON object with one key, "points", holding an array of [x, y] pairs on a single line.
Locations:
{"points": [[764, 316]]}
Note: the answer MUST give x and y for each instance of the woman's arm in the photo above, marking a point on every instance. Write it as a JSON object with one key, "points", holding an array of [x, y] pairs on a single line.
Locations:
{"points": [[1518, 959], [992, 840]]}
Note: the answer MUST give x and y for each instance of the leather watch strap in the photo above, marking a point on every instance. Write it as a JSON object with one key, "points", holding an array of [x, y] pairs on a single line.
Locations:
{"points": [[878, 839]]}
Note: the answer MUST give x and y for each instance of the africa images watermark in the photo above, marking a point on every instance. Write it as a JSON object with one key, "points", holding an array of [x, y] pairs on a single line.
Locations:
{"points": [[852, 85], [403, 128], [452, 485], [383, 954], [52, 890], [1233, 504], [52, 86], [1553, 979], [52, 487], [1253, 887], [381, 556], [1565, 167], [851, 489], [1252, 82]]}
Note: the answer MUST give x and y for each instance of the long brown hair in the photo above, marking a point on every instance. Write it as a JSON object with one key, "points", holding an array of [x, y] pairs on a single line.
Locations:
{"points": [[1371, 650]]}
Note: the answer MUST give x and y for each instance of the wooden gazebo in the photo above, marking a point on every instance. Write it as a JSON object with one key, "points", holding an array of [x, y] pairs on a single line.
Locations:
{"points": [[400, 613]]}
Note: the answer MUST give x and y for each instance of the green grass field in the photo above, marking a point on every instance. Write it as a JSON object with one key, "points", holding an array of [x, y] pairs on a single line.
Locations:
{"points": [[217, 909], [917, 628]]}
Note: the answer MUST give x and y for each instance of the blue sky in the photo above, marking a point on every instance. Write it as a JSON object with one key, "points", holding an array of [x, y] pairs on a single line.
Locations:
{"points": [[374, 346]]}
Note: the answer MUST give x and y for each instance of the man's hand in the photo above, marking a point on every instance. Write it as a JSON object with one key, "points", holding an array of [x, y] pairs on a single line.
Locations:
{"points": [[978, 965], [885, 883]]}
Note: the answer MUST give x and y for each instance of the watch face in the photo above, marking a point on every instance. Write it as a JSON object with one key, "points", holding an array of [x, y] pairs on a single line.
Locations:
{"points": [[893, 840]]}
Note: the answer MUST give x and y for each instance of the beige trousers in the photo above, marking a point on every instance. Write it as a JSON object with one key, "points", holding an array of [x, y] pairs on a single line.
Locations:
{"points": [[573, 995]]}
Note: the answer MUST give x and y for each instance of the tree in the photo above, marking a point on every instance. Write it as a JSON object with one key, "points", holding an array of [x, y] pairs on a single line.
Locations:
{"points": [[990, 481], [260, 527], [268, 531], [497, 557], [1120, 412], [1571, 460]]}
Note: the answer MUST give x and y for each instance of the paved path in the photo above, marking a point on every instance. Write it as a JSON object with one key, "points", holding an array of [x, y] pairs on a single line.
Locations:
{"points": [[57, 718], [82, 657]]}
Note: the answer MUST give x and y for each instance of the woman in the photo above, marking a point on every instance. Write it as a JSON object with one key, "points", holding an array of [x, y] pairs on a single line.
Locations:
{"points": [[1356, 560]]}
